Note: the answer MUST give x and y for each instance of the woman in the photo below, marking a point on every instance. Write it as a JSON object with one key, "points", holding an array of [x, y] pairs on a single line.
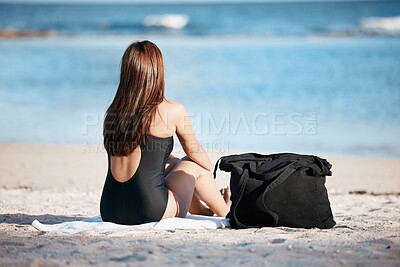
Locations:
{"points": [[145, 183]]}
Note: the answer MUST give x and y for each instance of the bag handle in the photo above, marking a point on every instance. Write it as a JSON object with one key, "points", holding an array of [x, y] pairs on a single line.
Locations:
{"points": [[251, 167], [216, 167], [241, 191], [282, 177]]}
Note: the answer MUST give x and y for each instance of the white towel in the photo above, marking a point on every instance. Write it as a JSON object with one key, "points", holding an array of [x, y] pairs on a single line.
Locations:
{"points": [[96, 223]]}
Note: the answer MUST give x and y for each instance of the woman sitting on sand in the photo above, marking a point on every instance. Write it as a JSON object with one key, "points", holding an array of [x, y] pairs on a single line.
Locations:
{"points": [[145, 183]]}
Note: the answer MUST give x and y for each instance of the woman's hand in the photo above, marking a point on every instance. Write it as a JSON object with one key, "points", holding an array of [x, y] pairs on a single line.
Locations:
{"points": [[226, 194]]}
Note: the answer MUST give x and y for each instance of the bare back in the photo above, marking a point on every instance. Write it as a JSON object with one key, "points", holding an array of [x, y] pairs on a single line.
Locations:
{"points": [[163, 125]]}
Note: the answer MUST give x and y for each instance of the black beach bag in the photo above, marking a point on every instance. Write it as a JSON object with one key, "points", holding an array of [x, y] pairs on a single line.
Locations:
{"points": [[278, 190]]}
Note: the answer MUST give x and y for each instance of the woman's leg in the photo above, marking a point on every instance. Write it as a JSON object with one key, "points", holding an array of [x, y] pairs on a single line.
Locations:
{"points": [[207, 191], [183, 180], [196, 207], [172, 205]]}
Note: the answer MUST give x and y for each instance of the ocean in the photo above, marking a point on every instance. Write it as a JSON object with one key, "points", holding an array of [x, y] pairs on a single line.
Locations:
{"points": [[314, 78]]}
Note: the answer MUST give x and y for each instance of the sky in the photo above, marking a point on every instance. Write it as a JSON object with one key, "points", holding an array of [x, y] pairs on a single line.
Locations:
{"points": [[166, 1]]}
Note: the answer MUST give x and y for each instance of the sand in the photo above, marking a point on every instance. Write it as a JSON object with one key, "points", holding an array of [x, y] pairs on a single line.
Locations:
{"points": [[57, 183]]}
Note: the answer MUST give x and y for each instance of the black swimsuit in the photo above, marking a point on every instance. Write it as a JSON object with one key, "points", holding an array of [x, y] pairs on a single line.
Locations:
{"points": [[144, 197]]}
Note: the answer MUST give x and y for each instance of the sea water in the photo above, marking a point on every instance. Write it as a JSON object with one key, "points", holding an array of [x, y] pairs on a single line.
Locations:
{"points": [[291, 77]]}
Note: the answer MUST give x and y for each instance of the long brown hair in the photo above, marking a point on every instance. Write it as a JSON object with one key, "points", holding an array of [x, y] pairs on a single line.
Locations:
{"points": [[141, 88]]}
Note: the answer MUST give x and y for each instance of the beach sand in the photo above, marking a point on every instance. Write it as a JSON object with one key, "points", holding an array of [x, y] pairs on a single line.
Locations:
{"points": [[57, 183]]}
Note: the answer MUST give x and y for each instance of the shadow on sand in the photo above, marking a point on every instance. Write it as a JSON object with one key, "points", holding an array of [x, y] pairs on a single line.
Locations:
{"points": [[27, 219]]}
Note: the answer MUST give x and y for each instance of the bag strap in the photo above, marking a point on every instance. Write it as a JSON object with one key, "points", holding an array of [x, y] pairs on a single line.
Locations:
{"points": [[241, 191], [251, 167], [291, 168], [216, 167], [282, 177]]}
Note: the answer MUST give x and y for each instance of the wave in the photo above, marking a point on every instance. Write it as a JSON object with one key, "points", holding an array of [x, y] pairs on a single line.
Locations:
{"points": [[27, 34], [381, 26], [172, 21], [160, 25]]}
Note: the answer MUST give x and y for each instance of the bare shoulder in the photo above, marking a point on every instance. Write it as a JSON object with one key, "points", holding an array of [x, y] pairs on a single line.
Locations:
{"points": [[173, 107], [172, 112]]}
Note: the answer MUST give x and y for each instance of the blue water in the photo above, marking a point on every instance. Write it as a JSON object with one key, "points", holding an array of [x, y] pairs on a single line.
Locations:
{"points": [[296, 77], [205, 19]]}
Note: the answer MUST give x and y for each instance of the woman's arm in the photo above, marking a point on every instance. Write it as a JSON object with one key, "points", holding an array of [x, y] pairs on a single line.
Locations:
{"points": [[187, 138]]}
